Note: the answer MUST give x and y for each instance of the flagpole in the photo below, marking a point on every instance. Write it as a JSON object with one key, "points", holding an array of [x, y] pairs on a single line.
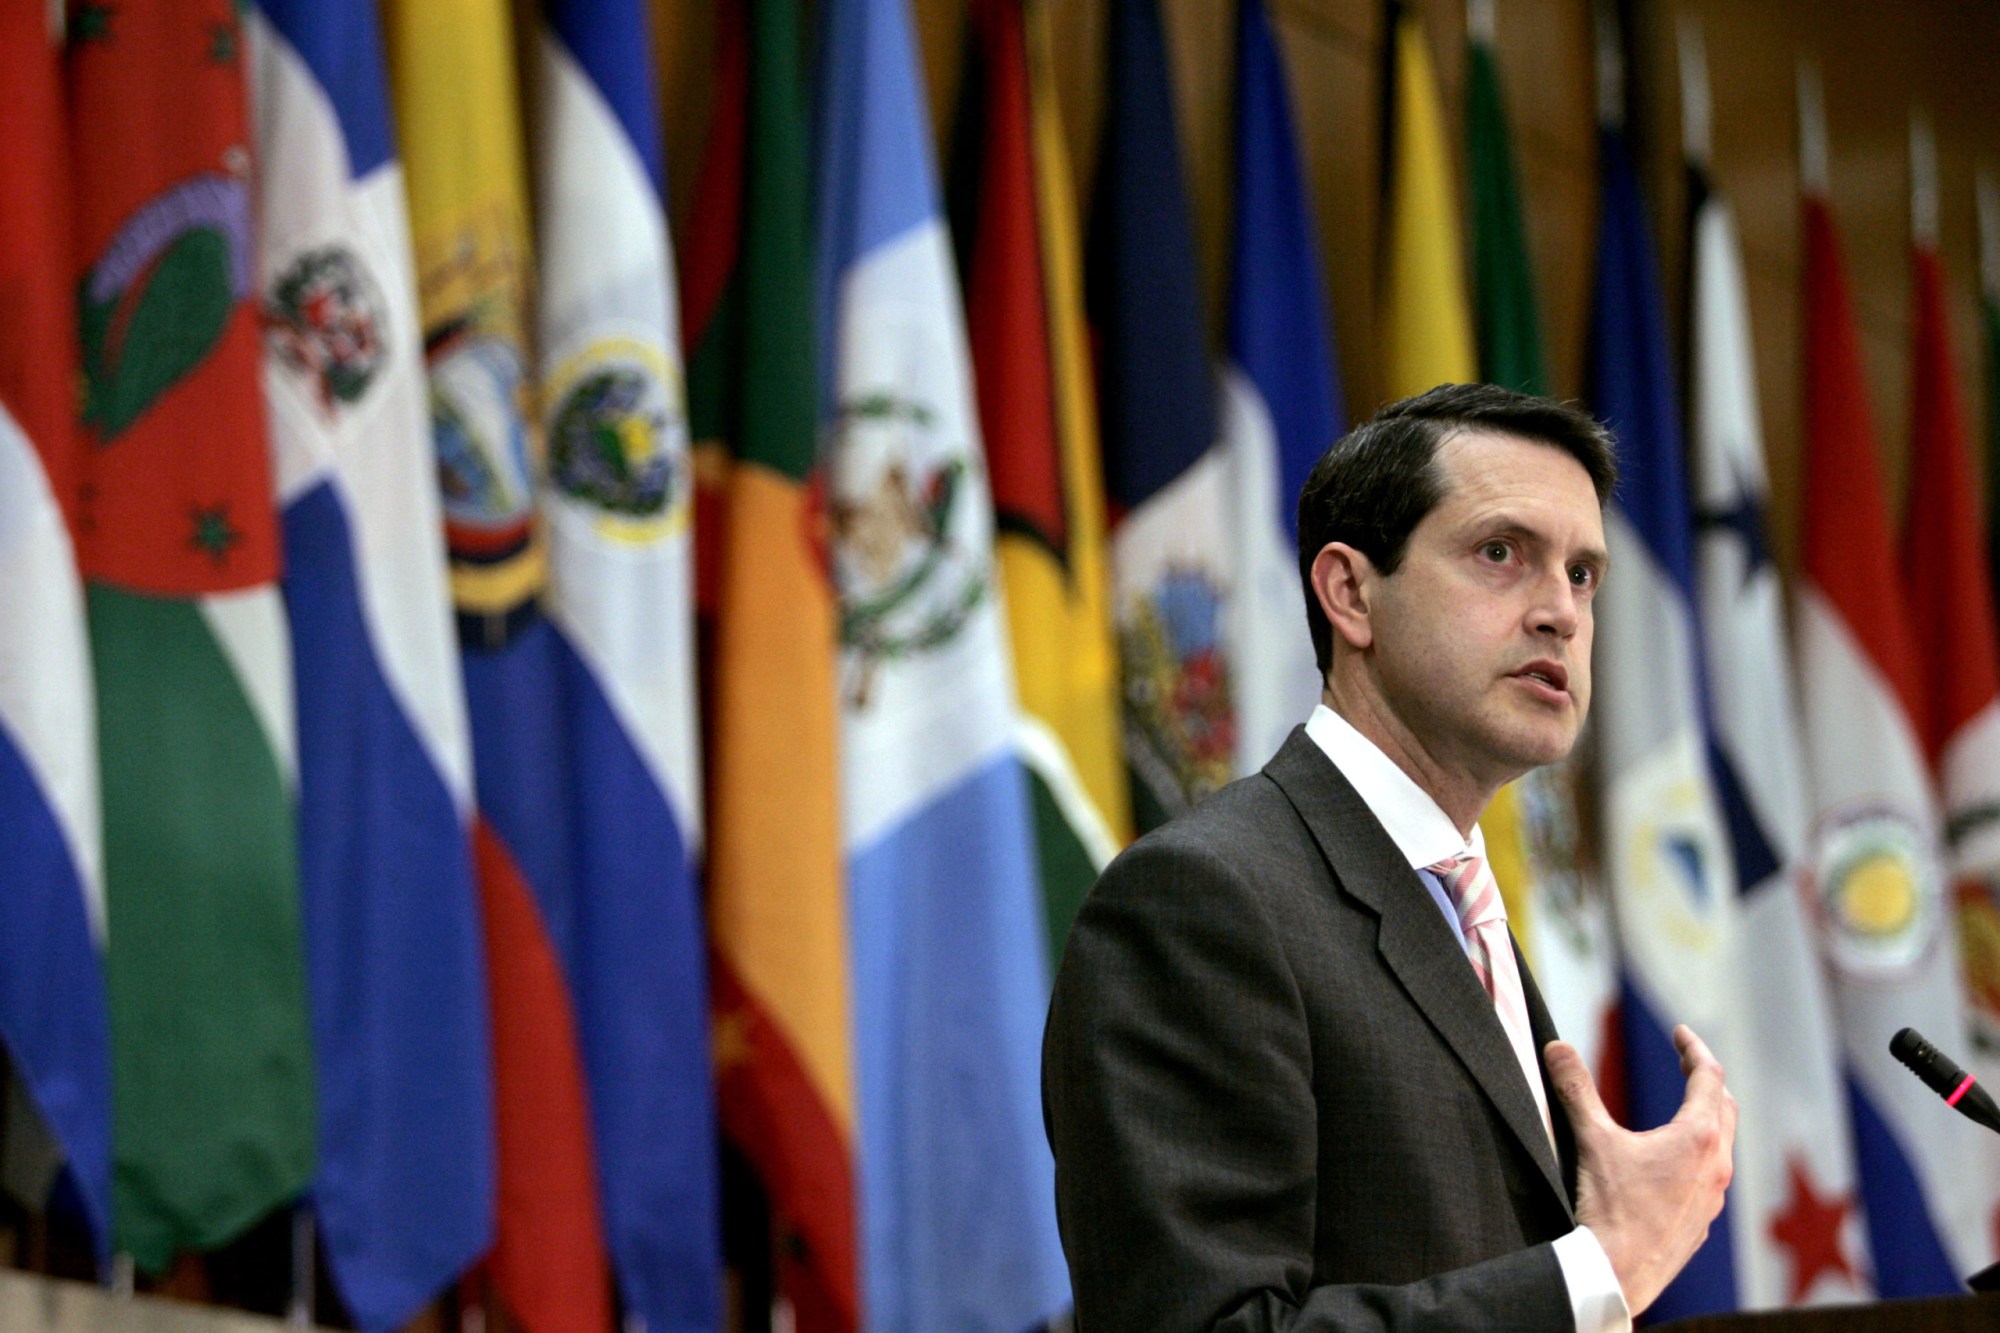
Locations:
{"points": [[1813, 174], [1986, 198], [1697, 106], [1923, 181], [299, 1313], [1610, 67]]}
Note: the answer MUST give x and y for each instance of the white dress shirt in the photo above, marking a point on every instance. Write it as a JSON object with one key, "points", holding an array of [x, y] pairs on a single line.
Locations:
{"points": [[1425, 835]]}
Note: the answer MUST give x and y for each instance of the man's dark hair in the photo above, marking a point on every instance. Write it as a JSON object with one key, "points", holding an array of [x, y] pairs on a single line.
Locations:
{"points": [[1374, 484]]}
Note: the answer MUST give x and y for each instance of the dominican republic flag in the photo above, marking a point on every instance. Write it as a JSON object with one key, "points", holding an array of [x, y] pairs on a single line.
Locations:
{"points": [[1280, 400], [947, 938], [617, 500], [52, 1007], [1874, 854], [1798, 1233], [404, 1194], [1167, 486], [1949, 592], [1666, 851]]}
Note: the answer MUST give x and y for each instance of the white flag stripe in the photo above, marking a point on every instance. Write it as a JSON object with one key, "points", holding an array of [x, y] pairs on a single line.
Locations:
{"points": [[45, 641]]}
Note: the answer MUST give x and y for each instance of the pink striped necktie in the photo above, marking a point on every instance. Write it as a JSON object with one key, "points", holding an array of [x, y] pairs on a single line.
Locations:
{"points": [[1483, 917]]}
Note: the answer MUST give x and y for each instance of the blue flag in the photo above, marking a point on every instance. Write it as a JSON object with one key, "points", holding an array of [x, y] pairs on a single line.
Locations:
{"points": [[1280, 399], [1666, 851], [950, 982]]}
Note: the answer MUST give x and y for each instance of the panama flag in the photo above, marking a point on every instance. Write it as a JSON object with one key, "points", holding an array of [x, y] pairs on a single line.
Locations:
{"points": [[211, 1046], [52, 1011], [1666, 852], [404, 1193], [1874, 855], [1799, 1234], [1950, 596], [1168, 488], [957, 1187], [453, 72], [1534, 829], [1280, 400], [617, 495]]}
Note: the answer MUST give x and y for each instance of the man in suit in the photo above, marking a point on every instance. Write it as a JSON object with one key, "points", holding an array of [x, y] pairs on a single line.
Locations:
{"points": [[1295, 1074]]}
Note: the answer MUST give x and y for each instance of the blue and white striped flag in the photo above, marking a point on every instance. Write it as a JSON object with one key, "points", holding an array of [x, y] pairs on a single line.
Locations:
{"points": [[621, 903], [950, 980], [1280, 400], [1666, 851]]}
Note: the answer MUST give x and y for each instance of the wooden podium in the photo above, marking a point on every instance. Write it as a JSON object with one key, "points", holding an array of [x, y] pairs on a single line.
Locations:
{"points": [[1932, 1314]]}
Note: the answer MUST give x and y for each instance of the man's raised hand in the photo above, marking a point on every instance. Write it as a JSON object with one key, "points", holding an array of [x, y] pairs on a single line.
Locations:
{"points": [[1649, 1198]]}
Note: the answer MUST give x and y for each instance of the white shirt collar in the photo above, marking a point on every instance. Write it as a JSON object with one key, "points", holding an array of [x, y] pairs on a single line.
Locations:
{"points": [[1422, 832]]}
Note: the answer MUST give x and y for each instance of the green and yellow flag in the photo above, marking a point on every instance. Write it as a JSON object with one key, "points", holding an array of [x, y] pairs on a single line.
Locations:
{"points": [[1024, 312], [212, 1061]]}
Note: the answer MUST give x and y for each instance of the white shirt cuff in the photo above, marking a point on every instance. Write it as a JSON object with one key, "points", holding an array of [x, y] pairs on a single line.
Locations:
{"points": [[1595, 1297]]}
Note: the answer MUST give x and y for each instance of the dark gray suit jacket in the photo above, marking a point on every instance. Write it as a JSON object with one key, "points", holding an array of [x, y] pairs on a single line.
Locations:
{"points": [[1279, 1097]]}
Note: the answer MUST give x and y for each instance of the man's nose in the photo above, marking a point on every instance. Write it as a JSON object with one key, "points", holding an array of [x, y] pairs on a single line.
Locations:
{"points": [[1557, 608]]}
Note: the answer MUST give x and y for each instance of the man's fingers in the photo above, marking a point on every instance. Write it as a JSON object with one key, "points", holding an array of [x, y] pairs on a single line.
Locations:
{"points": [[1574, 1086]]}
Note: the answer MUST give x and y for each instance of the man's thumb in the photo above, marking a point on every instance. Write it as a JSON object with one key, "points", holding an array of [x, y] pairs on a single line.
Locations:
{"points": [[1570, 1077]]}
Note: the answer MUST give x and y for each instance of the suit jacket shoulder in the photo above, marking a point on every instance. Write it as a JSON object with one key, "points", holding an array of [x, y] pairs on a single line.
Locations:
{"points": [[1255, 1088]]}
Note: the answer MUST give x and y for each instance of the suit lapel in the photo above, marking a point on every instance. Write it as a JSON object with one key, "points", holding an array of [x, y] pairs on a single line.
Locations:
{"points": [[1413, 939], [1542, 1028]]}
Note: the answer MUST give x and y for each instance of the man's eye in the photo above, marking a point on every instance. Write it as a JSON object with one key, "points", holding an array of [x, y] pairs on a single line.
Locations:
{"points": [[1582, 576], [1495, 551]]}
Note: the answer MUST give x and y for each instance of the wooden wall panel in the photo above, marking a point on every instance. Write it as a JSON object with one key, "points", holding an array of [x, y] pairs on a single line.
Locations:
{"points": [[1876, 58]]}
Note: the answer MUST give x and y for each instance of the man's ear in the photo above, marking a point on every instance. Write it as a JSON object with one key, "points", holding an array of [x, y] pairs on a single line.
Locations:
{"points": [[1342, 579]]}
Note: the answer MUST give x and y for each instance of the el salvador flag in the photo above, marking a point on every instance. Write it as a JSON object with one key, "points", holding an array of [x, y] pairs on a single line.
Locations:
{"points": [[1280, 399], [618, 889], [950, 981], [405, 1191], [1666, 851]]}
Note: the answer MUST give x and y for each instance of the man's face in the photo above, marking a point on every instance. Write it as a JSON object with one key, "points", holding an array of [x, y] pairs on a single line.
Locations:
{"points": [[1482, 635]]}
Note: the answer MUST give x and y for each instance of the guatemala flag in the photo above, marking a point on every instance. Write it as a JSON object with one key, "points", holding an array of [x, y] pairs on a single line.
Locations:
{"points": [[395, 962], [621, 903], [1666, 852], [1280, 400], [950, 981]]}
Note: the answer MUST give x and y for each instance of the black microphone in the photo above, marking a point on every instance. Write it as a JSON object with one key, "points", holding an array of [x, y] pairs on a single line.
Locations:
{"points": [[1946, 1079]]}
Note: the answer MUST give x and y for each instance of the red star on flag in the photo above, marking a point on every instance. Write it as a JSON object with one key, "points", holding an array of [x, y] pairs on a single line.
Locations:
{"points": [[1809, 1230]]}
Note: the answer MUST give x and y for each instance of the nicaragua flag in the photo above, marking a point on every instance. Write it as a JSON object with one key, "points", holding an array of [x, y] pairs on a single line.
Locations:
{"points": [[617, 497], [1666, 852], [1280, 399], [396, 970], [1168, 489], [1874, 852], [1799, 1236], [53, 1018], [950, 982]]}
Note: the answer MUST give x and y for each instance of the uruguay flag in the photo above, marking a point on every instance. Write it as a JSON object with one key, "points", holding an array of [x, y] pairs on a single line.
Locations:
{"points": [[1666, 852], [1280, 399], [950, 983], [395, 961], [620, 902], [1798, 1234], [52, 1000]]}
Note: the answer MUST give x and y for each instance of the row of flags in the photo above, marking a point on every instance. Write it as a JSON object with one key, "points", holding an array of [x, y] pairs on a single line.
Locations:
{"points": [[460, 757]]}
